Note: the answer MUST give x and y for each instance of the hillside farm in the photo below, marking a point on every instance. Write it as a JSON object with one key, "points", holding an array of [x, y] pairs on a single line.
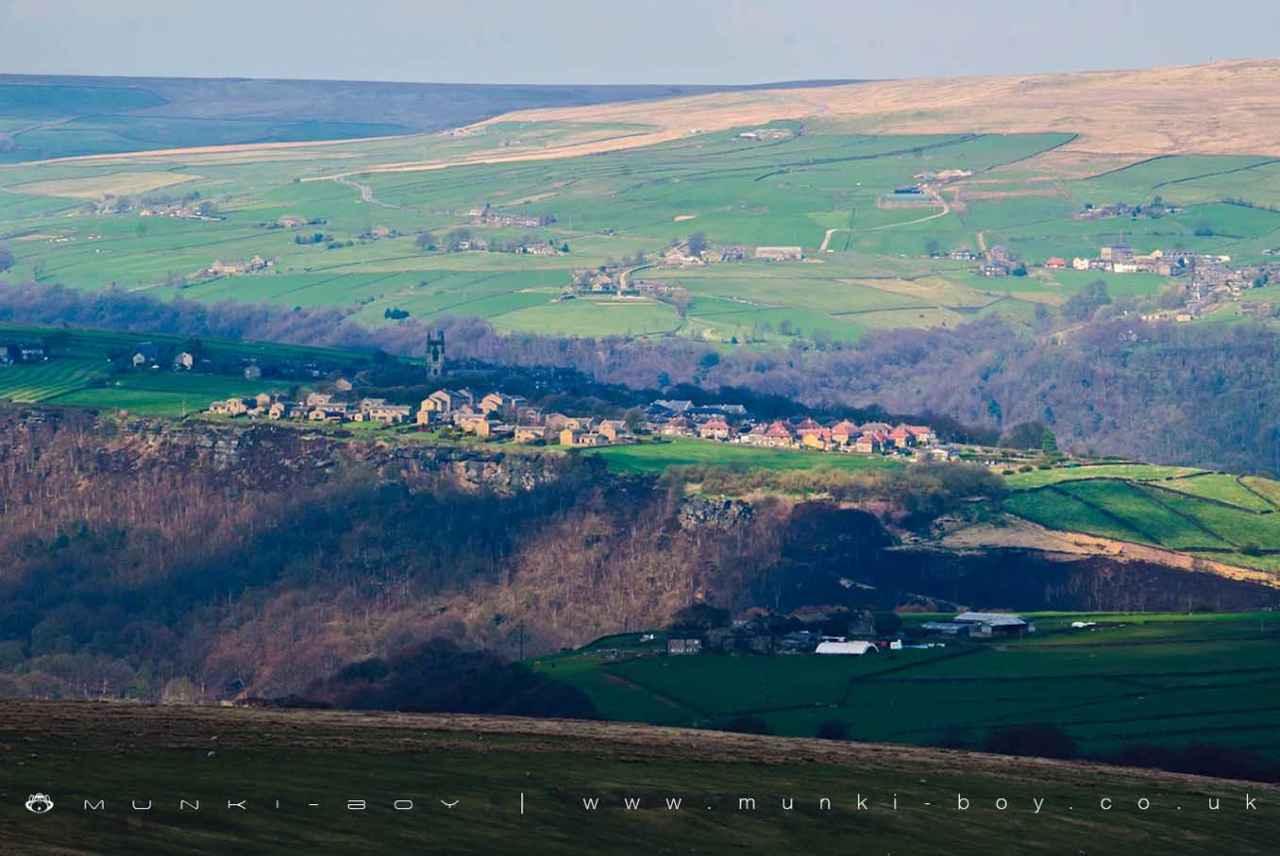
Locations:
{"points": [[1082, 681]]}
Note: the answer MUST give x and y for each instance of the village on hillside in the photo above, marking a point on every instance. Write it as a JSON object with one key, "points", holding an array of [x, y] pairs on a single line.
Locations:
{"points": [[497, 416], [1211, 279]]}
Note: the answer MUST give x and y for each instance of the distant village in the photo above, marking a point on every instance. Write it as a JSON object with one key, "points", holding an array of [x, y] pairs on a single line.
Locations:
{"points": [[497, 416], [1211, 278]]}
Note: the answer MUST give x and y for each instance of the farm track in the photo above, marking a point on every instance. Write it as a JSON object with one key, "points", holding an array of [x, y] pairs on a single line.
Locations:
{"points": [[366, 192]]}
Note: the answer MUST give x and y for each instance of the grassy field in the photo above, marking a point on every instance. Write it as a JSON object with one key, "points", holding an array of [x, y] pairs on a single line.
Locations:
{"points": [[656, 457], [79, 372], [1229, 518], [830, 174], [297, 771], [1132, 472], [1165, 679]]}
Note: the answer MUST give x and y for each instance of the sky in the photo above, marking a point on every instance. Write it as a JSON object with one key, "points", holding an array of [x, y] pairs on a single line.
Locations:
{"points": [[623, 41]]}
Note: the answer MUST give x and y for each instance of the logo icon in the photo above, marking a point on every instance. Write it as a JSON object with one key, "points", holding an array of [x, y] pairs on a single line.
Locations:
{"points": [[39, 804]]}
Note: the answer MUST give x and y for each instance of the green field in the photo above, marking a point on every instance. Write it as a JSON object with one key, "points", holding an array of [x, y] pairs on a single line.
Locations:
{"points": [[297, 770], [873, 273], [1165, 679], [79, 372], [1229, 518], [655, 457], [1134, 472]]}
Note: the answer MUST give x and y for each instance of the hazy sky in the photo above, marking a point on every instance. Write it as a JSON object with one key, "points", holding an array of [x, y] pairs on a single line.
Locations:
{"points": [[623, 41]]}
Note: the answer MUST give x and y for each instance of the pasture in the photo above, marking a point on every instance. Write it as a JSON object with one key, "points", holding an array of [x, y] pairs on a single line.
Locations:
{"points": [[1232, 519], [84, 370], [655, 457], [868, 266], [1165, 679], [524, 780]]}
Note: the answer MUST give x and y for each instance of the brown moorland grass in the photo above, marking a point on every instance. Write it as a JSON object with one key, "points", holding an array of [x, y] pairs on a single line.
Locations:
{"points": [[1134, 113], [1229, 107]]}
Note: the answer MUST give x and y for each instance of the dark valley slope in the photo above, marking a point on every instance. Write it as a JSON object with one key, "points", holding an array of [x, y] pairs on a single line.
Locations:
{"points": [[190, 560]]}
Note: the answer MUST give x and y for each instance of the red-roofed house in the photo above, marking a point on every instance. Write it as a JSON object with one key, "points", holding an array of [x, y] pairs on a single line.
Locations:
{"points": [[843, 433], [819, 438], [869, 442], [1055, 263], [715, 429], [779, 436], [922, 434]]}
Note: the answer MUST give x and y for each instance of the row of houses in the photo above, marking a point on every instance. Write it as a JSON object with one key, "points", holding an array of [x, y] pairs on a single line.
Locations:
{"points": [[843, 436], [501, 416], [495, 416]]}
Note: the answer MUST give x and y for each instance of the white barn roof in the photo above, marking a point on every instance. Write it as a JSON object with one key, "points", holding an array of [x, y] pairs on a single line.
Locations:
{"points": [[995, 619], [857, 648]]}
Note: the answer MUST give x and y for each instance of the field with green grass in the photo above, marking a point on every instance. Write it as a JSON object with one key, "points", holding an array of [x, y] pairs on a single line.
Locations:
{"points": [[655, 457], [875, 274], [822, 187], [1167, 679], [470, 784], [1216, 515], [80, 370]]}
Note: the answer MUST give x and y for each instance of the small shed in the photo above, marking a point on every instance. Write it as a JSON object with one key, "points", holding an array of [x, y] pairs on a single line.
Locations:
{"points": [[855, 648]]}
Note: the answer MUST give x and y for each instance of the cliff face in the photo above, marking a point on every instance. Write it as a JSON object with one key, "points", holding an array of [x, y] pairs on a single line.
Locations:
{"points": [[266, 456]]}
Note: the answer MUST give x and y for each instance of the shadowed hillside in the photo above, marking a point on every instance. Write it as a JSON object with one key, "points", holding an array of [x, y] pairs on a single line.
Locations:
{"points": [[484, 765]]}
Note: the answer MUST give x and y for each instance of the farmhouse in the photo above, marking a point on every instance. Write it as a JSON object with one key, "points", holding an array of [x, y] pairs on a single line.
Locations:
{"points": [[613, 430], [844, 432], [378, 410], [715, 429], [780, 254], [778, 436], [678, 426], [531, 434]]}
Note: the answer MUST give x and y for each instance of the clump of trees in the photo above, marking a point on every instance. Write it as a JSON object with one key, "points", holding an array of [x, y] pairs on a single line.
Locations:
{"points": [[1083, 305], [439, 676]]}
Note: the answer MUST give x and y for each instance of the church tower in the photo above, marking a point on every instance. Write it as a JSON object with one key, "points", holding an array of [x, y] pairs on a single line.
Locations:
{"points": [[435, 354]]}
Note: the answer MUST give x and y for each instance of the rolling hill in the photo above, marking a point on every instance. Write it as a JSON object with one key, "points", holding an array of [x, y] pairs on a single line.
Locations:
{"points": [[510, 779]]}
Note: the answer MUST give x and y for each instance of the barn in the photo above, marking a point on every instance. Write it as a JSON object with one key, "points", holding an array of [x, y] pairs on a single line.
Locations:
{"points": [[987, 624], [854, 648]]}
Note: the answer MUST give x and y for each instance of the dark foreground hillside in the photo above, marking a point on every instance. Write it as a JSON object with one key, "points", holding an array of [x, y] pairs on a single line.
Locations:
{"points": [[356, 783]]}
